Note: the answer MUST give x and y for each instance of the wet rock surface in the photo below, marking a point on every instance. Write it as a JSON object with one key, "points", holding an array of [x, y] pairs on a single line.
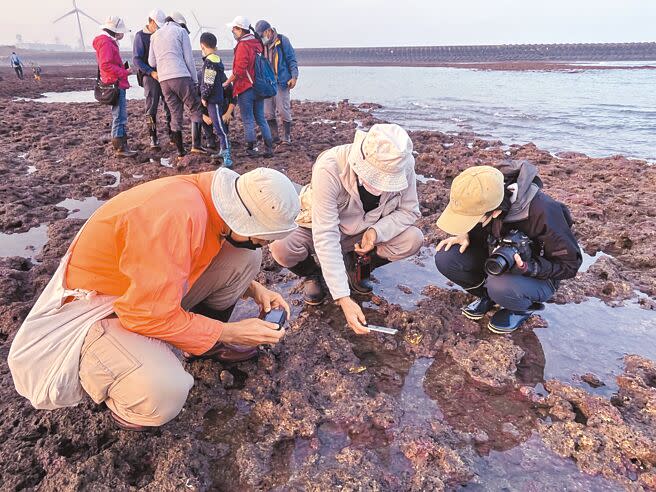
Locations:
{"points": [[442, 404]]}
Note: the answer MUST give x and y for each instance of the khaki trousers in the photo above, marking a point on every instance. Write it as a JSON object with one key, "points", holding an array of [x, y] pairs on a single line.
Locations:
{"points": [[294, 248], [140, 378]]}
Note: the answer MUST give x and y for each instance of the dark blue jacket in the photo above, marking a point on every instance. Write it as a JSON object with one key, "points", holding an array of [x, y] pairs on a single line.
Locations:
{"points": [[212, 78], [285, 65], [140, 52]]}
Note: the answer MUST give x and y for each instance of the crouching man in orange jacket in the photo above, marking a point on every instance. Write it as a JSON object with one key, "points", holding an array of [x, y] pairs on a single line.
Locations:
{"points": [[177, 253]]}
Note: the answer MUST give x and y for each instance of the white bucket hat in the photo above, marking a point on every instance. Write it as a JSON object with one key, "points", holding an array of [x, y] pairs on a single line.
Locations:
{"points": [[158, 16], [240, 21], [178, 18], [114, 24], [382, 156], [261, 203]]}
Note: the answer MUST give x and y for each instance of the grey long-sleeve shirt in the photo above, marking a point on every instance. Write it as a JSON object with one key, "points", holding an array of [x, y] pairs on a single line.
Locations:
{"points": [[170, 53]]}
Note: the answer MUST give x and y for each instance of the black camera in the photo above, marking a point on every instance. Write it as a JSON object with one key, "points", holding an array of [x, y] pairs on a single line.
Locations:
{"points": [[502, 257], [277, 316]]}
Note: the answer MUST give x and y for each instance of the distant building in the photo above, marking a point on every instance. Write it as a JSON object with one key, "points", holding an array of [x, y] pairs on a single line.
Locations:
{"points": [[43, 47]]}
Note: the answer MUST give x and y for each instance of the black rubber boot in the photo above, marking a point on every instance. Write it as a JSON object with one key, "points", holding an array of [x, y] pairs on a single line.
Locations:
{"points": [[210, 138], [478, 308], [152, 132], [121, 149], [268, 149], [177, 141], [196, 135], [506, 321], [364, 286], [286, 132], [313, 291], [250, 149], [273, 126]]}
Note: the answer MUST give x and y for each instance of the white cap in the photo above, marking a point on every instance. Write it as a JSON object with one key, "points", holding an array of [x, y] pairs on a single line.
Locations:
{"points": [[114, 24], [382, 157], [178, 18], [240, 21], [262, 203], [158, 16]]}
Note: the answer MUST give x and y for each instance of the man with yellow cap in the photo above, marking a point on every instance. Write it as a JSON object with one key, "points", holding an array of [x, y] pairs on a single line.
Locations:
{"points": [[511, 245]]}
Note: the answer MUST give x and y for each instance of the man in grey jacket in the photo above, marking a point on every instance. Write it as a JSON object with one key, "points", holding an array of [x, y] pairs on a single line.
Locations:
{"points": [[171, 57], [362, 201]]}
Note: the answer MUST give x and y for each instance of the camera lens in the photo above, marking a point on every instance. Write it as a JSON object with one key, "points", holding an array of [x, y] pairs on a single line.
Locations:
{"points": [[496, 265]]}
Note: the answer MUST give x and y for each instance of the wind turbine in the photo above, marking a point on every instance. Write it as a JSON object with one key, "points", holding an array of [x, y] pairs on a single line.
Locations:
{"points": [[77, 13], [200, 26]]}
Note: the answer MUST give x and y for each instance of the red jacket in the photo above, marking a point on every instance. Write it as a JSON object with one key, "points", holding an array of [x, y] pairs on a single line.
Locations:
{"points": [[245, 51], [109, 61]]}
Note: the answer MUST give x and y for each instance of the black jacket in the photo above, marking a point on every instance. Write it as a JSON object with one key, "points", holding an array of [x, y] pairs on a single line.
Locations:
{"points": [[547, 222], [211, 82]]}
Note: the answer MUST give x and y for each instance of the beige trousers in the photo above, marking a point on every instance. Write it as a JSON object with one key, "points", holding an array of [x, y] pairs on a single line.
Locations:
{"points": [[140, 378], [294, 248]]}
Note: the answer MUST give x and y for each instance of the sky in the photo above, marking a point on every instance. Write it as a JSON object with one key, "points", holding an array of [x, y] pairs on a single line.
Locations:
{"points": [[341, 23]]}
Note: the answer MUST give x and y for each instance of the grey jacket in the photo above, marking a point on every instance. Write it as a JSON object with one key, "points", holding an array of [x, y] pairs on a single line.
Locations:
{"points": [[170, 53], [331, 206]]}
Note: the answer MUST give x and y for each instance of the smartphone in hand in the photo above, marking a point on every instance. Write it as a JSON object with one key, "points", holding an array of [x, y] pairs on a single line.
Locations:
{"points": [[277, 316]]}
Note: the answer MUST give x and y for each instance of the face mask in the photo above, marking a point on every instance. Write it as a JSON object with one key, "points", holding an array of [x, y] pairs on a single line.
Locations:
{"points": [[235, 35], [371, 189], [266, 39], [243, 244]]}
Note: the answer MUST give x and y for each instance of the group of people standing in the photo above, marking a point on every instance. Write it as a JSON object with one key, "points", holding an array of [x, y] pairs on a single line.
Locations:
{"points": [[164, 64]]}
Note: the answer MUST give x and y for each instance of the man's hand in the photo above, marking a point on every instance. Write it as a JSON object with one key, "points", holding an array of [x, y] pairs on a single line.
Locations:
{"points": [[462, 240], [130, 71], [354, 315], [207, 119], [367, 243], [251, 332], [267, 299], [204, 102], [154, 75], [292, 83], [227, 117]]}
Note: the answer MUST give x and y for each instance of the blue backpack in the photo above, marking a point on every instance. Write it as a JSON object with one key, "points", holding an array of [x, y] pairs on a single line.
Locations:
{"points": [[265, 84]]}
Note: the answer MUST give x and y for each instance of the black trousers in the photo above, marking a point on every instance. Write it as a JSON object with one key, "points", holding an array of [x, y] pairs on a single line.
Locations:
{"points": [[511, 291], [19, 71], [153, 95]]}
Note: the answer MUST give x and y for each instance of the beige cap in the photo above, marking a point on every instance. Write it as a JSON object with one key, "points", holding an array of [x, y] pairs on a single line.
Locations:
{"points": [[475, 192], [114, 24], [382, 157], [261, 203]]}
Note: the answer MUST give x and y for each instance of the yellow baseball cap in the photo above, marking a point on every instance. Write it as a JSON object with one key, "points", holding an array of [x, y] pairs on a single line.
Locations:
{"points": [[475, 192]]}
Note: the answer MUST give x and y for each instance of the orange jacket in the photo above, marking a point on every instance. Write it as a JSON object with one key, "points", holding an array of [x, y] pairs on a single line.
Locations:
{"points": [[148, 245]]}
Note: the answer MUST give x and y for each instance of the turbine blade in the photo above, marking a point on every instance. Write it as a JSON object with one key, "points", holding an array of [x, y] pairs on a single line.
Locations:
{"points": [[89, 17], [194, 14], [65, 15]]}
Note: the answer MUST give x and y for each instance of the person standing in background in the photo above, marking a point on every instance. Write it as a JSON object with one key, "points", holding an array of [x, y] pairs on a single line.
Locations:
{"points": [[148, 78], [280, 53], [16, 64], [112, 71], [251, 106], [170, 55]]}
